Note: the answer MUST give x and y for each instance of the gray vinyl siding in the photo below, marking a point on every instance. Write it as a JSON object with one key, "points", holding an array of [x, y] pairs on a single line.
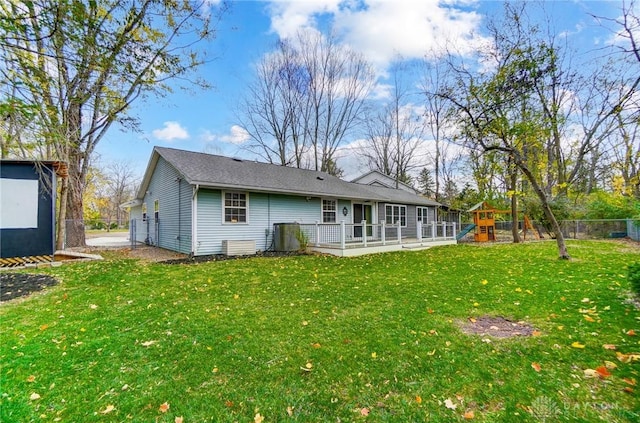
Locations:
{"points": [[172, 229], [263, 211], [407, 232]]}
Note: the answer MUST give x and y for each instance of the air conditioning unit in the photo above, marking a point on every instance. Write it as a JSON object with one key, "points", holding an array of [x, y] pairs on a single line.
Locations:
{"points": [[238, 248]]}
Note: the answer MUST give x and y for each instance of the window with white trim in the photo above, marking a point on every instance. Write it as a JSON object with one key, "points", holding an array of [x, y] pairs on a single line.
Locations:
{"points": [[144, 212], [394, 213], [235, 207], [329, 211], [156, 209]]}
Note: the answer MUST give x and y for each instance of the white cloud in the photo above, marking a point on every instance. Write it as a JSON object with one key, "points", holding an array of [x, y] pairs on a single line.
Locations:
{"points": [[171, 131], [382, 30], [237, 135]]}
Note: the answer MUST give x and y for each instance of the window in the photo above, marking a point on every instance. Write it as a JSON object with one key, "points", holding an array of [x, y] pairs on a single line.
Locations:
{"points": [[423, 214], [395, 213], [329, 208], [235, 207], [144, 212], [156, 209]]}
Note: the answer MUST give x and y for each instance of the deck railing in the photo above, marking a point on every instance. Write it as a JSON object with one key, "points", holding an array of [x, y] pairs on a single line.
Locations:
{"points": [[343, 235]]}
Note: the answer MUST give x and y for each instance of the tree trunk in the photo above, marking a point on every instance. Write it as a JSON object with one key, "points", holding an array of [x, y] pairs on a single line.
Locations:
{"points": [[514, 202], [546, 207], [75, 216], [62, 214]]}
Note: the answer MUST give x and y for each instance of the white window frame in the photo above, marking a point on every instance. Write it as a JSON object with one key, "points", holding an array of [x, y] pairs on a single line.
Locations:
{"points": [[395, 217], [225, 207], [426, 213], [144, 212], [334, 211], [156, 209]]}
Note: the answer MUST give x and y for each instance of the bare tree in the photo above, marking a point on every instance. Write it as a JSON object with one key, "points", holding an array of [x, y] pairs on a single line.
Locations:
{"points": [[306, 99], [394, 133]]}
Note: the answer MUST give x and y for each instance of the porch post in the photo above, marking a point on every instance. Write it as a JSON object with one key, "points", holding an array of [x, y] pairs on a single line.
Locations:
{"points": [[419, 230], [343, 235], [454, 230], [433, 230], [364, 232], [317, 233], [383, 234], [399, 232]]}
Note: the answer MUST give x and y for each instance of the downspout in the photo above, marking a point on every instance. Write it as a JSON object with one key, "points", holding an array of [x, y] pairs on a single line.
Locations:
{"points": [[194, 220]]}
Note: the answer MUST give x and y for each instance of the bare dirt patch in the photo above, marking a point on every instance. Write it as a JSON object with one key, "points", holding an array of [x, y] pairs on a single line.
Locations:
{"points": [[496, 327]]}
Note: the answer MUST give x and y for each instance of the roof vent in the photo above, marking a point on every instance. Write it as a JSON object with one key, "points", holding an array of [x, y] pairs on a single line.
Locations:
{"points": [[319, 178]]}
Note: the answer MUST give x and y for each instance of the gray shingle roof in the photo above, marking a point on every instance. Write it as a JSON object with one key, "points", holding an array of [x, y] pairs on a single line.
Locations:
{"points": [[208, 170]]}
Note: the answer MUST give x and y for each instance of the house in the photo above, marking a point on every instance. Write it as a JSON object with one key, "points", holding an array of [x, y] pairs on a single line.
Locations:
{"points": [[379, 179], [27, 211], [202, 204]]}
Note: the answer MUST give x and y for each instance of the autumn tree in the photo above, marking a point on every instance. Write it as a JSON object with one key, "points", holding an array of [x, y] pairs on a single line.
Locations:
{"points": [[307, 97], [84, 63]]}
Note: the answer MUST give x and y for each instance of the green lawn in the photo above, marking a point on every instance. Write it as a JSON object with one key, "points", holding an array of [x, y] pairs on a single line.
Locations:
{"points": [[320, 339]]}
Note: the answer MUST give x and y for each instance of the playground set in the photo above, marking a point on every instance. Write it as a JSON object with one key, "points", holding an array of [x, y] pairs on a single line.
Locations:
{"points": [[484, 223]]}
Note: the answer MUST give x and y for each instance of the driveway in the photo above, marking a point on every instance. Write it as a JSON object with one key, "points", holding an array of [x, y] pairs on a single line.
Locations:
{"points": [[108, 239]]}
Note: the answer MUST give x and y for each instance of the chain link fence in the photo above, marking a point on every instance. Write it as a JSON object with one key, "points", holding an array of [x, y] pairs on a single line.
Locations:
{"points": [[571, 229]]}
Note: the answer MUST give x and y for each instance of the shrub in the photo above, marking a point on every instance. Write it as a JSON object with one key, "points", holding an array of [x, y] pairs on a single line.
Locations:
{"points": [[634, 277]]}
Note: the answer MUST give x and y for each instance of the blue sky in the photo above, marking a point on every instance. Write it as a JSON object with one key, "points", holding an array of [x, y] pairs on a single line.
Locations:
{"points": [[380, 29]]}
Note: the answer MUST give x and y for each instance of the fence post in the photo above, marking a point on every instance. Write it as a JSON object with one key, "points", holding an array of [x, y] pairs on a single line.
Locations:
{"points": [[383, 232], [419, 230], [364, 232], [343, 235], [399, 232], [317, 233]]}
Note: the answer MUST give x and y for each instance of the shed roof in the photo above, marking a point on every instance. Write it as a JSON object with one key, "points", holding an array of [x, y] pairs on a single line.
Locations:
{"points": [[213, 171]]}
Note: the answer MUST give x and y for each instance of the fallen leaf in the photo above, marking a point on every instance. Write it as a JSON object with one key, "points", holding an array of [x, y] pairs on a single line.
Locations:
{"points": [[590, 373], [585, 300], [365, 411], [93, 306], [468, 415], [164, 407], [603, 372], [179, 419], [628, 390], [44, 327], [577, 345], [307, 367], [34, 397], [316, 345], [536, 333], [374, 355], [125, 387], [449, 404], [108, 410], [609, 347], [484, 281], [418, 399], [628, 381], [631, 332], [536, 366], [610, 365], [228, 403], [589, 318], [472, 319], [290, 411], [258, 418], [148, 343], [31, 378]]}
